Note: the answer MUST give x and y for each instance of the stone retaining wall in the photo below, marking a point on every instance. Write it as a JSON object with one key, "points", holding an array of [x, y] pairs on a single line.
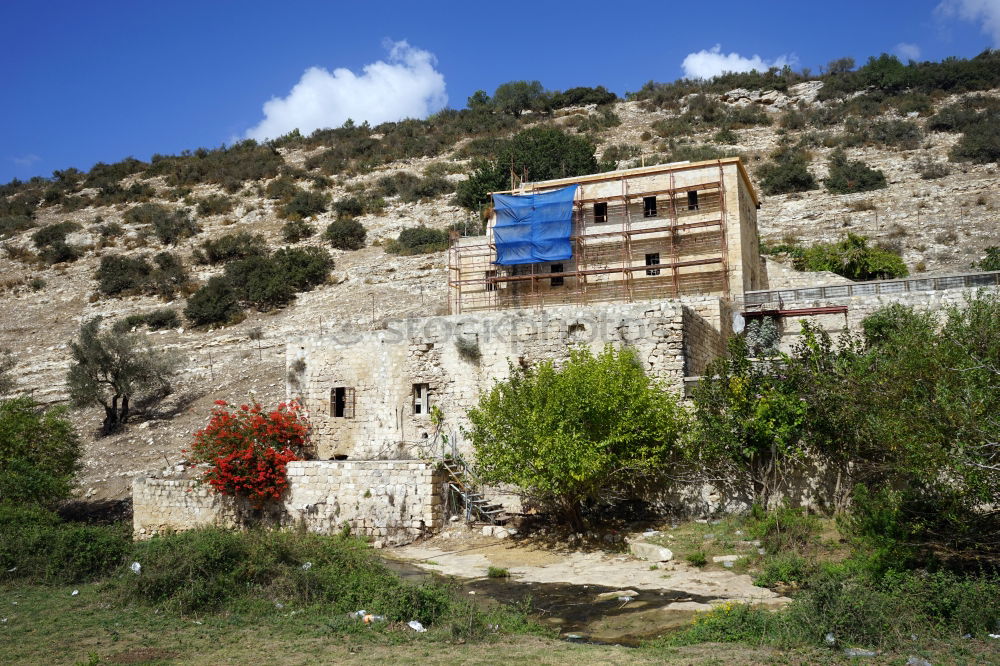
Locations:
{"points": [[392, 501]]}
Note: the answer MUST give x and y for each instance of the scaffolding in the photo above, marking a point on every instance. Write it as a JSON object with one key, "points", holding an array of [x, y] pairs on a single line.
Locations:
{"points": [[635, 246]]}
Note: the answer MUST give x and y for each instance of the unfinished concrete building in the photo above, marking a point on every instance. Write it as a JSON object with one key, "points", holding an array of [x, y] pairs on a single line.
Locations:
{"points": [[649, 257]]}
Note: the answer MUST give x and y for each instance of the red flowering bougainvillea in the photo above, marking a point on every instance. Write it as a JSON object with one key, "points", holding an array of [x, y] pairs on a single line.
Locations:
{"points": [[248, 449]]}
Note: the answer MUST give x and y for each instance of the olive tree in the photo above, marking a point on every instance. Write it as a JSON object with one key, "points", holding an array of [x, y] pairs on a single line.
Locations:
{"points": [[113, 370], [591, 429]]}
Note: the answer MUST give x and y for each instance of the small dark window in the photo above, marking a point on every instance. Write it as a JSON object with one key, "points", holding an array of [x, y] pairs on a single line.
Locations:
{"points": [[601, 212], [556, 281], [693, 200], [342, 402], [653, 259], [491, 286], [421, 398], [649, 206]]}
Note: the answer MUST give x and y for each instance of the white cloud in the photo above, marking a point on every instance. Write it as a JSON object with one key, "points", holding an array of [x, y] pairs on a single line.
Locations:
{"points": [[25, 160], [708, 63], [984, 12], [908, 51], [404, 86]]}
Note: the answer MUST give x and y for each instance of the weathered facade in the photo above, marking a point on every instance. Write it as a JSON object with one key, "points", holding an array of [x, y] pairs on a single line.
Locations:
{"points": [[657, 255]]}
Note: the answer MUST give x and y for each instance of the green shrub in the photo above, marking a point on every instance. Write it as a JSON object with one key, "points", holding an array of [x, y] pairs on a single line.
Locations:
{"points": [[789, 568], [294, 231], [209, 568], [173, 227], [11, 225], [697, 558], [346, 234], [497, 572], [418, 240], [304, 204], [155, 319], [269, 282], [410, 188], [282, 189], [904, 134], [120, 274], [930, 170], [168, 275], [229, 166], [53, 234], [39, 450], [852, 258], [784, 529], [852, 176], [109, 230], [35, 546], [214, 204], [146, 213], [980, 142], [618, 152], [214, 303], [303, 268], [725, 136], [990, 262], [786, 173], [239, 245], [58, 252]]}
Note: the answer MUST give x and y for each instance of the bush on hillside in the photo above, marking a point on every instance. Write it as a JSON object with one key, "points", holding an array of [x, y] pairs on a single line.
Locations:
{"points": [[155, 320], [120, 274], [269, 282], [410, 188], [304, 204], [786, 173], [215, 204], [214, 303], [52, 234], [418, 240], [980, 142], [346, 234], [852, 258], [849, 176], [239, 245], [990, 261], [11, 225], [294, 231]]}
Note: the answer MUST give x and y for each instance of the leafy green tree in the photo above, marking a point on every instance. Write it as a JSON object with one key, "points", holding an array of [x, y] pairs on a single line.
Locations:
{"points": [[539, 153], [7, 363], [39, 452], [113, 370], [479, 100], [591, 429], [516, 97], [749, 424]]}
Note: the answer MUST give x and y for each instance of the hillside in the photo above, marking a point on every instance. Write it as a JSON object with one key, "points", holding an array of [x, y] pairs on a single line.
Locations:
{"points": [[939, 225]]}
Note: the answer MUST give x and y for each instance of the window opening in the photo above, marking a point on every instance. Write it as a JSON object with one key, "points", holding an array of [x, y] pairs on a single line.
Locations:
{"points": [[421, 398], [693, 200], [649, 206], [556, 281], [601, 212], [491, 286], [653, 259], [342, 402]]}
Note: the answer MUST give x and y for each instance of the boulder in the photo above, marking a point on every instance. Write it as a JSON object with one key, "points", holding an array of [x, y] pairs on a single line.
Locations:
{"points": [[650, 552]]}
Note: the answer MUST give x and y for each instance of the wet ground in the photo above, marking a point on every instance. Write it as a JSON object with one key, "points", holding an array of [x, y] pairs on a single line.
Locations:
{"points": [[596, 597]]}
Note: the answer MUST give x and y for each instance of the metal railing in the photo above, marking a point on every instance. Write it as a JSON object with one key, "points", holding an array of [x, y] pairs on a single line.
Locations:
{"points": [[832, 291]]}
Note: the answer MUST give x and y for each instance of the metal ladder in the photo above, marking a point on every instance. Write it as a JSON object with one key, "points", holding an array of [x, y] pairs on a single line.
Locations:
{"points": [[464, 484]]}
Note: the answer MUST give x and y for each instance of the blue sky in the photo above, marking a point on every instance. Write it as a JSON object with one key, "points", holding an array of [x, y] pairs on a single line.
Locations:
{"points": [[97, 81]]}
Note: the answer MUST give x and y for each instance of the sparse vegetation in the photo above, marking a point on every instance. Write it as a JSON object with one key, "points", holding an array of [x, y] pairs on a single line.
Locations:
{"points": [[418, 240]]}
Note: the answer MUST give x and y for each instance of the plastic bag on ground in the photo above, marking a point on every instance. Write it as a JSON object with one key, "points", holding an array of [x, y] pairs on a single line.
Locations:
{"points": [[416, 626], [136, 568]]}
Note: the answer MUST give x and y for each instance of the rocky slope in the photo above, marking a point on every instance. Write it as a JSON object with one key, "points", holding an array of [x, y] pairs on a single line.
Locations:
{"points": [[939, 226]]}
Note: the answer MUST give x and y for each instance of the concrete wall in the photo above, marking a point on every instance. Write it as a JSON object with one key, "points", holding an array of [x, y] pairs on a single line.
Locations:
{"points": [[382, 366], [391, 501]]}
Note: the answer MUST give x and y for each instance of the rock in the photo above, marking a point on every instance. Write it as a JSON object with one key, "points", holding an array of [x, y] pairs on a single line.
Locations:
{"points": [[917, 661], [725, 558], [858, 652], [650, 552], [604, 596]]}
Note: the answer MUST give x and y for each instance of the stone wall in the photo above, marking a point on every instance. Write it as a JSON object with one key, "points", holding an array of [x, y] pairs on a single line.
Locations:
{"points": [[458, 357], [859, 307], [391, 501], [702, 343]]}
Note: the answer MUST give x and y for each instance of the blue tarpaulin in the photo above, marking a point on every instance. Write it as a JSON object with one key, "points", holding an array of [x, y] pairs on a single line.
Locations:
{"points": [[532, 228]]}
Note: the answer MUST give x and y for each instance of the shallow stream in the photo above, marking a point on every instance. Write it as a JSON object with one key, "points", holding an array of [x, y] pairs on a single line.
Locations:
{"points": [[585, 613]]}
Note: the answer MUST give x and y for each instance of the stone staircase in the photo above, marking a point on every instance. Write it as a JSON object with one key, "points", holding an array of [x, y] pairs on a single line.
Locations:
{"points": [[464, 485]]}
